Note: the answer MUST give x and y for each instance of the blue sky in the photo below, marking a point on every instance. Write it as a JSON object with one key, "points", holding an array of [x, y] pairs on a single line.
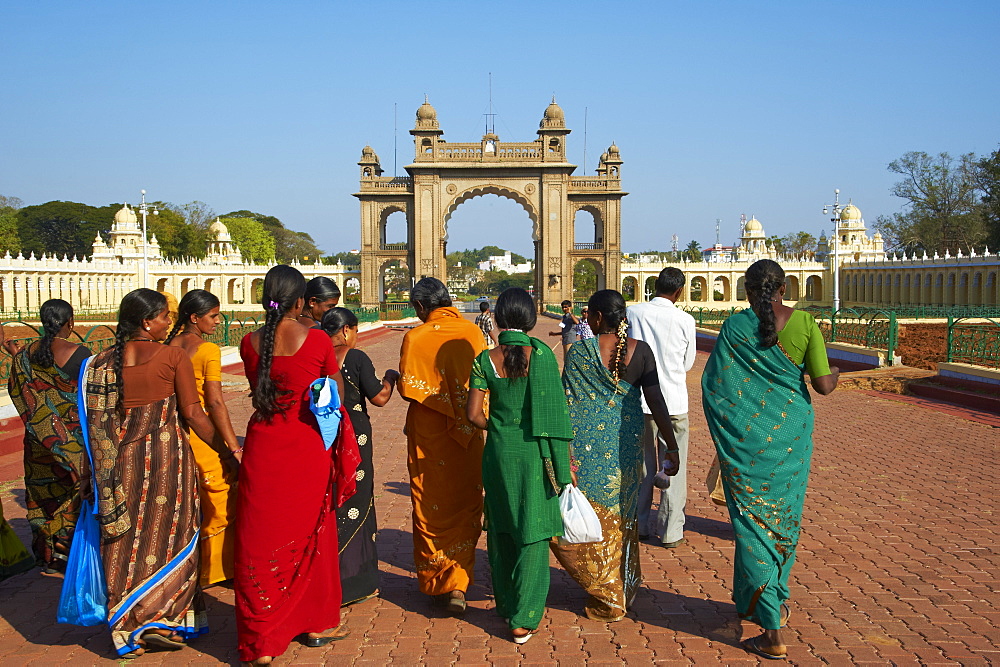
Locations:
{"points": [[719, 108]]}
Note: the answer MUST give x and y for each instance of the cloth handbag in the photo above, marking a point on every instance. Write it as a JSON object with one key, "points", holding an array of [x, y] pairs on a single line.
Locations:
{"points": [[714, 483], [324, 401], [580, 522]]}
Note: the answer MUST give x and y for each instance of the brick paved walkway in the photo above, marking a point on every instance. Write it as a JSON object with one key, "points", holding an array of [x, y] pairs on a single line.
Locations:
{"points": [[898, 563]]}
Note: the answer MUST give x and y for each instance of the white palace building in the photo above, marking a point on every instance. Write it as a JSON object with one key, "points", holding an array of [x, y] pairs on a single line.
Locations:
{"points": [[868, 276], [116, 267]]}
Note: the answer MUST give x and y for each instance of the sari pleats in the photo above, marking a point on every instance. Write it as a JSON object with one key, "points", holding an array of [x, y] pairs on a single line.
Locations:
{"points": [[760, 416], [608, 423]]}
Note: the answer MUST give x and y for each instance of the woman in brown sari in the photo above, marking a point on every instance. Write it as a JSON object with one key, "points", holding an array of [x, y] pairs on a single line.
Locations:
{"points": [[145, 479], [445, 451], [42, 386]]}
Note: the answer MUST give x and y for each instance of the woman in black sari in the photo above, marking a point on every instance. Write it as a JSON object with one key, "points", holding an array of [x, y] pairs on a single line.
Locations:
{"points": [[356, 525]]}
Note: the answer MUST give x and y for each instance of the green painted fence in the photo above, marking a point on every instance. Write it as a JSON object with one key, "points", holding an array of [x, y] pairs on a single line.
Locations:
{"points": [[974, 342]]}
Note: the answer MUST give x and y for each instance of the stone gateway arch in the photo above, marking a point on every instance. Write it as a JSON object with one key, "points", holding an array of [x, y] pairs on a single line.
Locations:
{"points": [[535, 174]]}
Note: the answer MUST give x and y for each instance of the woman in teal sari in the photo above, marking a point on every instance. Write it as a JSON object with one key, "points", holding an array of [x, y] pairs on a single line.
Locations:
{"points": [[760, 416], [602, 377]]}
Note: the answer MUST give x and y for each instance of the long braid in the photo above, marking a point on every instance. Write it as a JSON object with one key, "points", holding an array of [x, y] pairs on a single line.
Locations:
{"points": [[122, 334], [265, 395], [763, 280], [618, 360], [515, 362], [54, 314], [176, 330]]}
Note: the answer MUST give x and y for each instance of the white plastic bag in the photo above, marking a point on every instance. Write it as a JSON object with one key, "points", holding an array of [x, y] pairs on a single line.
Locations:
{"points": [[580, 522]]}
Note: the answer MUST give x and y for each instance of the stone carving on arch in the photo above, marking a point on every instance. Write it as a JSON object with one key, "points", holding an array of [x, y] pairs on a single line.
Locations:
{"points": [[529, 205]]}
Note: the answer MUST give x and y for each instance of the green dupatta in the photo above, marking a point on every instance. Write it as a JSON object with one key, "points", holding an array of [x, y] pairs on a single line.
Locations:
{"points": [[761, 418], [550, 422]]}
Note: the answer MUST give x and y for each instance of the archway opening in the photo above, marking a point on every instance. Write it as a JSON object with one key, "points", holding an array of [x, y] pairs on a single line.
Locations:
{"points": [[720, 289], [697, 289], [650, 291], [394, 231], [587, 279], [791, 288], [814, 288], [630, 287], [395, 281], [489, 247], [587, 233]]}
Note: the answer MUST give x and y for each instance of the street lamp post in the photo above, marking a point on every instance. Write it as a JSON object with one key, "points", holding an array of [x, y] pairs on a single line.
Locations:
{"points": [[835, 209], [144, 209]]}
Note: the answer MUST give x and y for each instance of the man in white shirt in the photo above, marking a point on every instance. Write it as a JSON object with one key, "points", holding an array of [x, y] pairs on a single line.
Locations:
{"points": [[670, 333]]}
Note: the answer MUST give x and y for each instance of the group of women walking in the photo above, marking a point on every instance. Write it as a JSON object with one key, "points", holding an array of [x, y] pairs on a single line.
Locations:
{"points": [[181, 501], [288, 513]]}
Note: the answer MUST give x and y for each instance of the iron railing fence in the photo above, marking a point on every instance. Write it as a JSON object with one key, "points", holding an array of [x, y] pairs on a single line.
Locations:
{"points": [[710, 318], [878, 330], [97, 338], [917, 312], [974, 341]]}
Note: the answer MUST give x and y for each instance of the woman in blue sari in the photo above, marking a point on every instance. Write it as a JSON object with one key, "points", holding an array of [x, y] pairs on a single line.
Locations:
{"points": [[760, 416], [602, 377]]}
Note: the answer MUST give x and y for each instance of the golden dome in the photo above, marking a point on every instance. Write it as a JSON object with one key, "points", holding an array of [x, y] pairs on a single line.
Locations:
{"points": [[850, 213], [753, 225], [554, 111], [367, 151], [219, 231], [125, 216], [613, 149]]}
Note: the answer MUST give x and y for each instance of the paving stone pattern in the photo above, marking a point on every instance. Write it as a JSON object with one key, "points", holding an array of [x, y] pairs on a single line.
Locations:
{"points": [[898, 563]]}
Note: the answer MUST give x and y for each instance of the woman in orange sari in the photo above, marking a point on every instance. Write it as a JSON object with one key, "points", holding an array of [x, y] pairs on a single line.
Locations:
{"points": [[444, 450]]}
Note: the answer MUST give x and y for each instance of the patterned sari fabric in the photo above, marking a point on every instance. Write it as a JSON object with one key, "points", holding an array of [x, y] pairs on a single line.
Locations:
{"points": [[445, 451], [45, 397], [608, 423], [761, 418], [146, 489]]}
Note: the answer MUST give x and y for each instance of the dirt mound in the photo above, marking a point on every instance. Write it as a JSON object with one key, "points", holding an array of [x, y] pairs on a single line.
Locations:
{"points": [[923, 345]]}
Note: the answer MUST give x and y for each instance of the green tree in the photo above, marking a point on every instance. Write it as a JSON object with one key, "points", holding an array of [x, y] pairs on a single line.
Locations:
{"points": [[778, 243], [252, 238], [693, 251], [940, 210], [198, 214], [798, 244], [178, 237], [62, 227], [584, 280], [289, 245], [988, 183], [345, 258], [10, 241]]}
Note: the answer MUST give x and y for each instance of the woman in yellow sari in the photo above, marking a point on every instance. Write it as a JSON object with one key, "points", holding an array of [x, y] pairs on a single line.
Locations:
{"points": [[197, 317], [445, 451]]}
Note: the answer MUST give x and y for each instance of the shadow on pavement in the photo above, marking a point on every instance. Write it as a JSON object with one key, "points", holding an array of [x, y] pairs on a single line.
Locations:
{"points": [[401, 488], [722, 530]]}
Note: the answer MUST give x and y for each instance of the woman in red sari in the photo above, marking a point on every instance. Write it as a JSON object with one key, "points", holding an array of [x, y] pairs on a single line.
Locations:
{"points": [[287, 574]]}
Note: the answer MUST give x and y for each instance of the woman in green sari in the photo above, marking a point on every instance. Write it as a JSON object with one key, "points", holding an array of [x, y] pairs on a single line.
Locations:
{"points": [[760, 416], [525, 463], [602, 379]]}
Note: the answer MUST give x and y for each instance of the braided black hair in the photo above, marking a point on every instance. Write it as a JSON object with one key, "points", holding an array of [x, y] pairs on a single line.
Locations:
{"points": [[335, 319], [762, 281], [611, 305], [54, 314], [196, 302], [138, 305], [283, 286], [430, 293], [515, 310], [322, 289]]}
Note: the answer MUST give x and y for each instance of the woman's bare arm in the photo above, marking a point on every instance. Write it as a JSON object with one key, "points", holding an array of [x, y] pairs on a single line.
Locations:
{"points": [[219, 414], [474, 408]]}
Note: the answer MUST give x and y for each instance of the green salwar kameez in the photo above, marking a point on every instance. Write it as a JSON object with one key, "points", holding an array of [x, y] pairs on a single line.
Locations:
{"points": [[527, 437], [760, 416]]}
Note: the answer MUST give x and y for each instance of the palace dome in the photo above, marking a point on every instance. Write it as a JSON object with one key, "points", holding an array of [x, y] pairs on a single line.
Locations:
{"points": [[554, 111], [426, 112], [367, 151], [753, 225], [851, 213], [219, 231], [125, 216]]}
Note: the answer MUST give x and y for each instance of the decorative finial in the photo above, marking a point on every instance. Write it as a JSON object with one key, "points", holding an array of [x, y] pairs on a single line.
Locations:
{"points": [[553, 98], [426, 101]]}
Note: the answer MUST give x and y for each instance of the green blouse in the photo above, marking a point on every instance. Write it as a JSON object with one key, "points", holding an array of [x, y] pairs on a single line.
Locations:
{"points": [[802, 340]]}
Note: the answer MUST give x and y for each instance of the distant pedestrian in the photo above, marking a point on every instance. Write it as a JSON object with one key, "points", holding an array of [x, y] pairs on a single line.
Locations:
{"points": [[603, 377], [583, 327], [670, 333], [525, 463], [485, 322], [356, 524], [760, 415], [567, 326]]}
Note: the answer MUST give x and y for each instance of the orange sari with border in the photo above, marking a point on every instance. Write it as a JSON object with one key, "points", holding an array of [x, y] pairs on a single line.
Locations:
{"points": [[445, 451]]}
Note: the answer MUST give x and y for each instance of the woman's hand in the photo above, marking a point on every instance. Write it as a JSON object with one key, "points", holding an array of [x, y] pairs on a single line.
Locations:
{"points": [[572, 474], [391, 376]]}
